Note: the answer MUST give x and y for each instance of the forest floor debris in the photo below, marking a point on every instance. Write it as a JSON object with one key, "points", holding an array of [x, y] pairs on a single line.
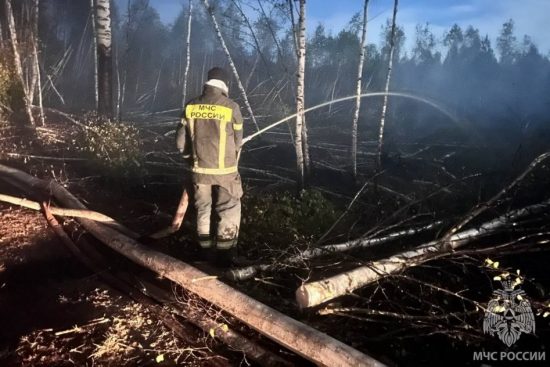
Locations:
{"points": [[53, 312], [404, 311]]}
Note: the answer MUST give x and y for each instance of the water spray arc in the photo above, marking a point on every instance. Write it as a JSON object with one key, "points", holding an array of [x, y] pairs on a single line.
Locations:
{"points": [[364, 95]]}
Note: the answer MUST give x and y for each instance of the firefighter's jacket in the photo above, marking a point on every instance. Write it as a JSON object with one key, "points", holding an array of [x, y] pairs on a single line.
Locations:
{"points": [[211, 132]]}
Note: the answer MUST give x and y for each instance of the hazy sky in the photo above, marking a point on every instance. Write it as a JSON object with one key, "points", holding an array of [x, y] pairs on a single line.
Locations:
{"points": [[531, 17]]}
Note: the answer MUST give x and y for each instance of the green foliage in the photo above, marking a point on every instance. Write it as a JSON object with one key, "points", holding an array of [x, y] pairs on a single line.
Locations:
{"points": [[5, 81], [284, 219], [11, 93], [113, 147]]}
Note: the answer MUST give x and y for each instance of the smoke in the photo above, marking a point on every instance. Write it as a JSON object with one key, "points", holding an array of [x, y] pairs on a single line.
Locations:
{"points": [[497, 91]]}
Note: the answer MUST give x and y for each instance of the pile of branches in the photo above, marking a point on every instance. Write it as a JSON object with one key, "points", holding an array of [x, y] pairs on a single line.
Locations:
{"points": [[422, 287]]}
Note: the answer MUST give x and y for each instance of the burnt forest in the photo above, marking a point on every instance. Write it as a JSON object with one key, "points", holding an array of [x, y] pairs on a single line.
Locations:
{"points": [[394, 166]]}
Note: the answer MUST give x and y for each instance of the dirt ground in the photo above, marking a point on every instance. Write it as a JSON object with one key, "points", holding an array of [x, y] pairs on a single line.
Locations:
{"points": [[54, 312]]}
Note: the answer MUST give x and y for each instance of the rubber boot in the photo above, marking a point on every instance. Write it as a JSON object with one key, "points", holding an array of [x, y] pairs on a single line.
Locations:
{"points": [[207, 248], [224, 257]]}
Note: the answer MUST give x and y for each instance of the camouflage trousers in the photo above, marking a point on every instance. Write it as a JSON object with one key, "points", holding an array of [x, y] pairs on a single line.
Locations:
{"points": [[226, 203]]}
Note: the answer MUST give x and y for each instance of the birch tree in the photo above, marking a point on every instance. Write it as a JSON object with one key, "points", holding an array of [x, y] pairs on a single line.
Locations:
{"points": [[36, 63], [387, 86], [17, 61], [358, 90], [187, 52], [293, 25], [302, 156], [231, 63], [104, 57], [94, 46]]}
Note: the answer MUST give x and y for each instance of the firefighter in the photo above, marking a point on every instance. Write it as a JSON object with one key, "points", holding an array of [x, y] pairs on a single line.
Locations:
{"points": [[210, 134]]}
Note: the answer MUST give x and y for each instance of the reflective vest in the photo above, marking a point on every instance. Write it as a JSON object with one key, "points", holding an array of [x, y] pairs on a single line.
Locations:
{"points": [[213, 127]]}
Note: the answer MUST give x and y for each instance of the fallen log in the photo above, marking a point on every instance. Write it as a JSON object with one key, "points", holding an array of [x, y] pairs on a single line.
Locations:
{"points": [[166, 317], [483, 207], [300, 338], [318, 292], [249, 271], [77, 213], [65, 239], [221, 331], [228, 336]]}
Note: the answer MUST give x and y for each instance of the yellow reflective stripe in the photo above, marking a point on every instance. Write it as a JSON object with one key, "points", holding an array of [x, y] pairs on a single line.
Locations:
{"points": [[192, 133], [221, 146], [208, 112], [237, 127], [215, 171]]}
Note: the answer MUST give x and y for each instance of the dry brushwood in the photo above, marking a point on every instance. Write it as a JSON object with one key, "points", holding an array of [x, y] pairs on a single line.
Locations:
{"points": [[77, 213], [249, 271], [92, 263], [315, 293], [318, 292]]}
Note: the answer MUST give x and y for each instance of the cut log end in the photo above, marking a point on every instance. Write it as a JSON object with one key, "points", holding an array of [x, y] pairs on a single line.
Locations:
{"points": [[302, 298], [315, 293], [306, 297]]}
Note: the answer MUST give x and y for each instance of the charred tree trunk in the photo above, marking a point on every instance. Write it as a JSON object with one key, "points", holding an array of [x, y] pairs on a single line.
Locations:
{"points": [[187, 53], [1, 35], [231, 63], [104, 57], [387, 87], [17, 60], [358, 91], [302, 156]]}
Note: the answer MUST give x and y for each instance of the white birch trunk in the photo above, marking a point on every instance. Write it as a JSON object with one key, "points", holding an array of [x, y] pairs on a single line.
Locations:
{"points": [[315, 293], [94, 53], [231, 64], [118, 108], [249, 271], [36, 63], [187, 53], [387, 87], [17, 60], [300, 126], [358, 91], [104, 57], [293, 25]]}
